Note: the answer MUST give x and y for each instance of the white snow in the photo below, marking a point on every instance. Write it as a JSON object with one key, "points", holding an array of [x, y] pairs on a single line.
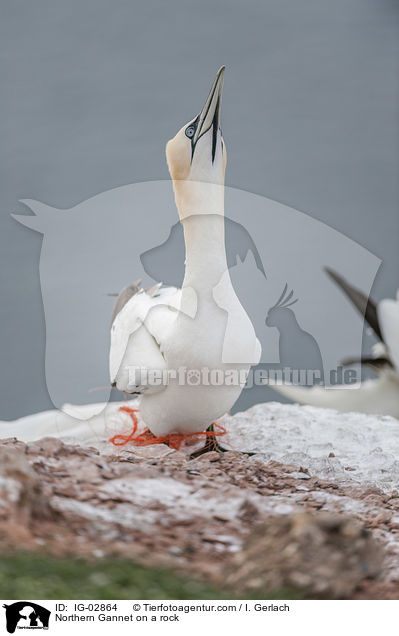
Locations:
{"points": [[340, 447]]}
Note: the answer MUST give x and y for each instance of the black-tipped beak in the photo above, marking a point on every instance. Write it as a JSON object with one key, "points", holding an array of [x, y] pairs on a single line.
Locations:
{"points": [[209, 116]]}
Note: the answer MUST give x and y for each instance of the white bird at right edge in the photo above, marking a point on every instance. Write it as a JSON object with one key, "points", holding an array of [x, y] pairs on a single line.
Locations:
{"points": [[380, 395]]}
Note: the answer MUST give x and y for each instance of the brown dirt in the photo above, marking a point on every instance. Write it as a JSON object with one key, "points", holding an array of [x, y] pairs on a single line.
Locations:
{"points": [[158, 507]]}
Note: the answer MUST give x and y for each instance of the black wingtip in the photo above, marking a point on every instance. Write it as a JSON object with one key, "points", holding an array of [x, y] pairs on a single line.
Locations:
{"points": [[364, 304], [334, 275], [380, 362]]}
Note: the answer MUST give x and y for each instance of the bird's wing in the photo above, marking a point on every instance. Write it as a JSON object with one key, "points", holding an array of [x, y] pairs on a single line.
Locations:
{"points": [[379, 396], [123, 297], [388, 314], [137, 334], [376, 363], [366, 306]]}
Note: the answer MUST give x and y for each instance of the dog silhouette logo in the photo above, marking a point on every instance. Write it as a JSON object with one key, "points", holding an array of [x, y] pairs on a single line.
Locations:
{"points": [[26, 615]]}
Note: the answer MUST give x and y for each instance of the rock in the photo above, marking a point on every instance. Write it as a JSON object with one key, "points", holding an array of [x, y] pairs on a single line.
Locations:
{"points": [[322, 556], [48, 446], [21, 496], [175, 550], [248, 512], [299, 475], [149, 508], [211, 456]]}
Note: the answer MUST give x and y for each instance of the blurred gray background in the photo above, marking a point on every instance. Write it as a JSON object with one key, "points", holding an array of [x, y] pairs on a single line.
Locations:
{"points": [[91, 91]]}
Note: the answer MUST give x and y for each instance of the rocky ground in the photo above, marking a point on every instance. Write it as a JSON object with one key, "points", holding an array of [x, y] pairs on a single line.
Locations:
{"points": [[217, 517]]}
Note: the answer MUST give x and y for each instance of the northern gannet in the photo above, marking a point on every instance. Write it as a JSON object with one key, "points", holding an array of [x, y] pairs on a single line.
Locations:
{"points": [[378, 396], [166, 329]]}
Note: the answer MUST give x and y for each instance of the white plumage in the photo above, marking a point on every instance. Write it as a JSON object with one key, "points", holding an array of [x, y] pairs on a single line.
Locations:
{"points": [[171, 331], [137, 334], [388, 314]]}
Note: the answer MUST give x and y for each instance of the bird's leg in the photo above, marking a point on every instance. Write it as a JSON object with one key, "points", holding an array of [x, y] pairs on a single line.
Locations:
{"points": [[211, 444]]}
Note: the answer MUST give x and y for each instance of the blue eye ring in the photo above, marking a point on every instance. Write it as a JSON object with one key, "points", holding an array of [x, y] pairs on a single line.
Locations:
{"points": [[190, 131]]}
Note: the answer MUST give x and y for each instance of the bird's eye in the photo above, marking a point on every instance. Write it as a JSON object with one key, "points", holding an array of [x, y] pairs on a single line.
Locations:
{"points": [[190, 130]]}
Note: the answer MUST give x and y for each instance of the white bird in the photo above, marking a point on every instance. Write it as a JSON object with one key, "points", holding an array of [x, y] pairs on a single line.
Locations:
{"points": [[378, 396], [167, 329]]}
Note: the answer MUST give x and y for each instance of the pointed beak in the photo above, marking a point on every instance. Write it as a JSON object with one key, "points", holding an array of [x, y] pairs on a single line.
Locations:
{"points": [[209, 116]]}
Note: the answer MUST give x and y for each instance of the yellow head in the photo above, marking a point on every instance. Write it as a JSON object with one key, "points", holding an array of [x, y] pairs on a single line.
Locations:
{"points": [[196, 158]]}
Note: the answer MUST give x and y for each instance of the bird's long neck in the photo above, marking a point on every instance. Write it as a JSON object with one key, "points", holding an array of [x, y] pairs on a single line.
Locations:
{"points": [[205, 251], [201, 210]]}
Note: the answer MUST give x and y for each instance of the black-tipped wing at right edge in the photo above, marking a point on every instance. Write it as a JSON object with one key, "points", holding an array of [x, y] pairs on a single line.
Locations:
{"points": [[374, 363], [363, 304]]}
